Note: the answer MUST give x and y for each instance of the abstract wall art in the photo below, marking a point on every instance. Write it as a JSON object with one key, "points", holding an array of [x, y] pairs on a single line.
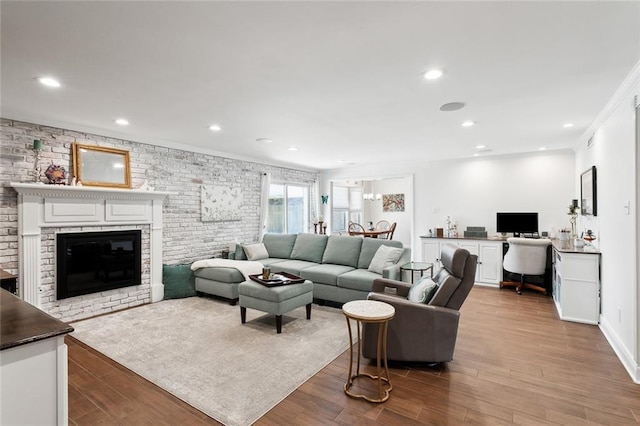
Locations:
{"points": [[220, 203], [392, 202]]}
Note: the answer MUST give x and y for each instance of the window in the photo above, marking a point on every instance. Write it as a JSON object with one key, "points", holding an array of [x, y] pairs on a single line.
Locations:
{"points": [[340, 212], [347, 206], [288, 208]]}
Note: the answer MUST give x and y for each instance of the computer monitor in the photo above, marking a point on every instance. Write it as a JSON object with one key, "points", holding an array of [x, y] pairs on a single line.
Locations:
{"points": [[518, 223]]}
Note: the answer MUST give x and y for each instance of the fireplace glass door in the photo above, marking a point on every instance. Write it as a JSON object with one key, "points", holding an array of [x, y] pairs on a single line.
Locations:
{"points": [[90, 262]]}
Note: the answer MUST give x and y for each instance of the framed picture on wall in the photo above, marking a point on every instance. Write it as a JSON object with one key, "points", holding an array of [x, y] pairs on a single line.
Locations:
{"points": [[588, 193]]}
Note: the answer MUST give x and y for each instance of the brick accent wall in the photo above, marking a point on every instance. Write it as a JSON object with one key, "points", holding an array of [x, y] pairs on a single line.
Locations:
{"points": [[185, 237]]}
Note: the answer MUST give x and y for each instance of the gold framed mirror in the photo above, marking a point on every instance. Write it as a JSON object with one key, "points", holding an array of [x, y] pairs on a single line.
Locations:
{"points": [[101, 166]]}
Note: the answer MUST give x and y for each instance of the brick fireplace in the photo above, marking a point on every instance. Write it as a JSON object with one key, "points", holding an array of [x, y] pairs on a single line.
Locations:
{"points": [[46, 210]]}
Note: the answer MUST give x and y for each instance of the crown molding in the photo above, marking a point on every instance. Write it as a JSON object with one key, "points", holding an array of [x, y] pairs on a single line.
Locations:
{"points": [[630, 84]]}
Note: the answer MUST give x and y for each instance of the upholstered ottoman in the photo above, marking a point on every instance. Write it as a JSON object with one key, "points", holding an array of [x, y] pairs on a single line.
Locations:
{"points": [[274, 300]]}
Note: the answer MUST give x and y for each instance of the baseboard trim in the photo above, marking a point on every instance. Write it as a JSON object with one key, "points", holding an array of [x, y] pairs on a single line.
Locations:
{"points": [[486, 284], [621, 351]]}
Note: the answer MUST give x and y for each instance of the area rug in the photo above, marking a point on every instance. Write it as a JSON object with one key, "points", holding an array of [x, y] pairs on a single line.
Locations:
{"points": [[198, 350]]}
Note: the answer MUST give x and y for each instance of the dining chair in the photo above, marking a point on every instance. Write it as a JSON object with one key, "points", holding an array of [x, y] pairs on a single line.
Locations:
{"points": [[356, 229], [382, 225], [392, 229]]}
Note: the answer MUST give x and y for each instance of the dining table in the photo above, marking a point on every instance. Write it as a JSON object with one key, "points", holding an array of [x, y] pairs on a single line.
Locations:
{"points": [[372, 234]]}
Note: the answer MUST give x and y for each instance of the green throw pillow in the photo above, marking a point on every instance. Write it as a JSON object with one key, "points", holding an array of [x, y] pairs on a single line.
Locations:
{"points": [[422, 291], [178, 281]]}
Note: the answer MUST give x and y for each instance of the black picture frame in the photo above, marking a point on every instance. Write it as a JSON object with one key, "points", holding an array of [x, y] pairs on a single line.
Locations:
{"points": [[588, 193]]}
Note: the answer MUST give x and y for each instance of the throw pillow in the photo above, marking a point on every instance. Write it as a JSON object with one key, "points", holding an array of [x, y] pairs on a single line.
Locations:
{"points": [[240, 254], [256, 251], [179, 281], [422, 291], [385, 256]]}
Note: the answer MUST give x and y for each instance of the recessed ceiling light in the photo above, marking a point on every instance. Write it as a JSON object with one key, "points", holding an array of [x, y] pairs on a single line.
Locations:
{"points": [[476, 155], [215, 128], [293, 148], [567, 125], [433, 74], [121, 121], [452, 106], [542, 148], [48, 81], [481, 146], [264, 140], [468, 123], [340, 161]]}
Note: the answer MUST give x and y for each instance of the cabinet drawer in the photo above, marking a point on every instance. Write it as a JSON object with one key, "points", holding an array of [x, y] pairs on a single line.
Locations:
{"points": [[580, 267]]}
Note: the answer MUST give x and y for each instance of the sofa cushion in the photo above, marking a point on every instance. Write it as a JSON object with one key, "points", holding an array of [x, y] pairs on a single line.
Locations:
{"points": [[279, 245], [423, 290], [358, 279], [178, 281], [225, 275], [385, 256], [342, 250], [309, 247], [325, 274], [271, 261], [256, 251], [292, 266], [370, 247]]}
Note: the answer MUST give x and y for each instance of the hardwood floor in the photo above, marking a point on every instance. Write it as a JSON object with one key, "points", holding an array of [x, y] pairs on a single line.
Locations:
{"points": [[515, 363]]}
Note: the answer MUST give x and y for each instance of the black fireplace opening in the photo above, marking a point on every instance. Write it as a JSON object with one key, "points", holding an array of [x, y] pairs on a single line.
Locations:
{"points": [[90, 262]]}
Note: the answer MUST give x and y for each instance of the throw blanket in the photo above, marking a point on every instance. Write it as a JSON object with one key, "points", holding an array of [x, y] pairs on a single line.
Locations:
{"points": [[246, 267]]}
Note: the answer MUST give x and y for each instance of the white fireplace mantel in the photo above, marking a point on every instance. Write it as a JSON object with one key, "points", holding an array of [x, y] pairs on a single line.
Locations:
{"points": [[53, 206]]}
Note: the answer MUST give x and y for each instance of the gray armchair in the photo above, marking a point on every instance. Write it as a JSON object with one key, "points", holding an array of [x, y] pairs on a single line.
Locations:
{"points": [[424, 332]]}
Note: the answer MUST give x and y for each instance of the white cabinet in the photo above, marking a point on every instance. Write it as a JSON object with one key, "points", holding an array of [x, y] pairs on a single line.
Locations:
{"points": [[431, 252], [489, 270], [489, 262], [576, 285]]}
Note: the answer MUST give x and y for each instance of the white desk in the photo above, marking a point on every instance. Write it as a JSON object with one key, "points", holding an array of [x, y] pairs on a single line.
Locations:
{"points": [[576, 282]]}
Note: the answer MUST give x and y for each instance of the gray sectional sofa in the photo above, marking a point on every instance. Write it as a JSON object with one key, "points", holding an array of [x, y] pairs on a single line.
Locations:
{"points": [[340, 266]]}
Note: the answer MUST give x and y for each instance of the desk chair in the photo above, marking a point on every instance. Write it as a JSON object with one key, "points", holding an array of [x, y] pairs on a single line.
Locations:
{"points": [[526, 256]]}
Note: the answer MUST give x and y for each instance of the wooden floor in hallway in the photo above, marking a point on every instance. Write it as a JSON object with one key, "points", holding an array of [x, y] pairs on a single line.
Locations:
{"points": [[515, 363]]}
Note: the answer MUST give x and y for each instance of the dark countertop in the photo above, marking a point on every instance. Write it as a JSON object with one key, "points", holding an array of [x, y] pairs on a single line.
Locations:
{"points": [[466, 238], [22, 323], [563, 246], [568, 246]]}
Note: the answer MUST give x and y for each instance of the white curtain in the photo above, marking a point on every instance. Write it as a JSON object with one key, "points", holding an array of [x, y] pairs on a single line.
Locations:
{"points": [[316, 200], [264, 203]]}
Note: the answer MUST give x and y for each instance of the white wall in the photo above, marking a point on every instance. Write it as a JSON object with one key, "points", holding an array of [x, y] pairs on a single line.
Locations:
{"points": [[471, 191], [614, 153]]}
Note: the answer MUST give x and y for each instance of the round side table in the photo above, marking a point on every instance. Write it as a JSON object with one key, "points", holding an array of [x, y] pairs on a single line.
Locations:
{"points": [[417, 266], [375, 312]]}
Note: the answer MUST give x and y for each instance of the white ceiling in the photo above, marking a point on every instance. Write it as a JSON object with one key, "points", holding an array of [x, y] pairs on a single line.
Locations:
{"points": [[339, 80]]}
